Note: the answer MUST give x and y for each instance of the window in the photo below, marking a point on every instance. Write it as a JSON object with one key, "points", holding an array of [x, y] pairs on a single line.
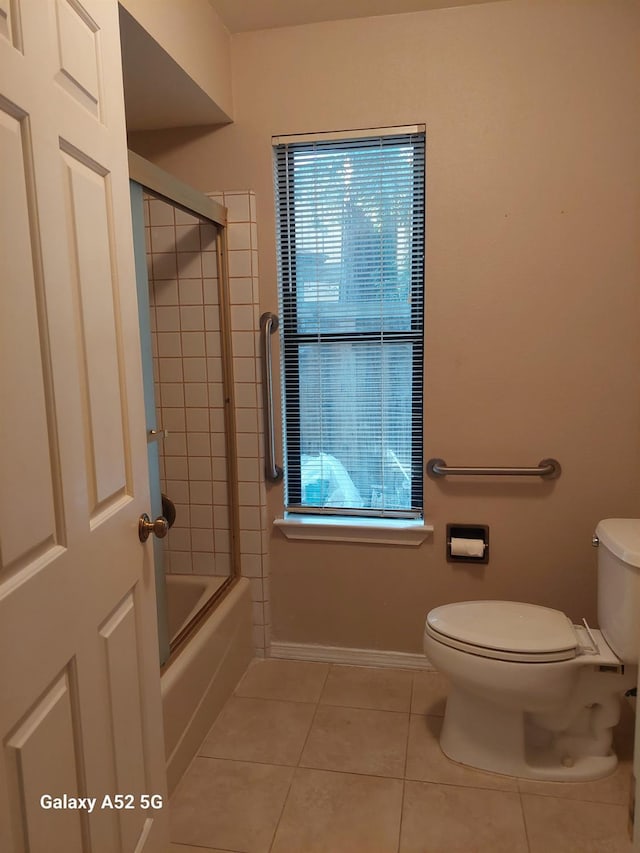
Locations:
{"points": [[350, 223]]}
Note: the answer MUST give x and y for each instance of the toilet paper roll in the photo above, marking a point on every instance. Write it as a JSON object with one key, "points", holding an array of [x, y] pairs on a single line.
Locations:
{"points": [[467, 547]]}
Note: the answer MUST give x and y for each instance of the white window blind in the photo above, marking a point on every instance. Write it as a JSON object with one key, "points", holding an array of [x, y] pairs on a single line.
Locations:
{"points": [[350, 227]]}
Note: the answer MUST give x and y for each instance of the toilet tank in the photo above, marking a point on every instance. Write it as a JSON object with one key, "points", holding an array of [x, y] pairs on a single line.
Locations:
{"points": [[619, 585]]}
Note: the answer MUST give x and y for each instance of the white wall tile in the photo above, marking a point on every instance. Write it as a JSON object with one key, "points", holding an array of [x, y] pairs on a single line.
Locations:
{"points": [[241, 291], [172, 394], [164, 265], [222, 541], [242, 319], [199, 468], [187, 238], [168, 319], [202, 540], [247, 445], [189, 265], [193, 344], [199, 444], [210, 288], [202, 517], [160, 213], [200, 493], [203, 564], [244, 369], [197, 420], [177, 490], [211, 318], [239, 264], [209, 265], [190, 291], [175, 443], [195, 369], [181, 563], [184, 218], [179, 539], [195, 395], [192, 318], [220, 493], [176, 467], [239, 236], [173, 420], [163, 238], [168, 344], [170, 369], [237, 205], [246, 395]]}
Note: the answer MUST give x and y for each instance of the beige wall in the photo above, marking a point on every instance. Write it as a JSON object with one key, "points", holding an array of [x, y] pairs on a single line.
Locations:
{"points": [[533, 285]]}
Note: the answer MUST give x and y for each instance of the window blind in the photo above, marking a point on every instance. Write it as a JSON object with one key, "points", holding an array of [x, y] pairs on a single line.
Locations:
{"points": [[351, 235]]}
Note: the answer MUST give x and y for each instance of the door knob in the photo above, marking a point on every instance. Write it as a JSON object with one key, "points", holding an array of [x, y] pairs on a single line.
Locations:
{"points": [[159, 527]]}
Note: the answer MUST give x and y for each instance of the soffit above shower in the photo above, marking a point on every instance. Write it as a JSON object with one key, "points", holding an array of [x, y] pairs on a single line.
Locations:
{"points": [[158, 91], [244, 15]]}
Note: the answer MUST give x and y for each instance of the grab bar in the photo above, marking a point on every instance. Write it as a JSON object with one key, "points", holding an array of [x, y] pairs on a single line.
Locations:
{"points": [[548, 469], [268, 325]]}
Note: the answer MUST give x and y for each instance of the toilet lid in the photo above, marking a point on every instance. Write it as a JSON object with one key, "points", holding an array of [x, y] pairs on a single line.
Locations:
{"points": [[512, 628]]}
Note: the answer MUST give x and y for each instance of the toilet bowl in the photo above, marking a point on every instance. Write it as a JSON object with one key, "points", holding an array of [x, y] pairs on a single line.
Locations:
{"points": [[533, 695]]}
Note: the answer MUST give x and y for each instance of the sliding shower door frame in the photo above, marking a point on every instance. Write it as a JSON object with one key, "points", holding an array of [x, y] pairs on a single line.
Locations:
{"points": [[165, 186]]}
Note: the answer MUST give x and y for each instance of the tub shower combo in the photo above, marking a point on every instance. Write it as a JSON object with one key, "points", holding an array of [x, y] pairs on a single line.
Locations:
{"points": [[206, 609]]}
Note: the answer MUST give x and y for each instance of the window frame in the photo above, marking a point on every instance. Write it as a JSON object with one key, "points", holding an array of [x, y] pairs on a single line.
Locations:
{"points": [[291, 340]]}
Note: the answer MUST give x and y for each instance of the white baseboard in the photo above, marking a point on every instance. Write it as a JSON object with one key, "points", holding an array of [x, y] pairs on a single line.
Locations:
{"points": [[355, 657]]}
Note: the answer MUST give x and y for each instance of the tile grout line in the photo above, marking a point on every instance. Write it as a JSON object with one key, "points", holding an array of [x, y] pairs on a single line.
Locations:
{"points": [[297, 766], [524, 820], [406, 759]]}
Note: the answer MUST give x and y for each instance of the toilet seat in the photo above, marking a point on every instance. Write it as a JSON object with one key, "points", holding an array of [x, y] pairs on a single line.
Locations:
{"points": [[505, 630]]}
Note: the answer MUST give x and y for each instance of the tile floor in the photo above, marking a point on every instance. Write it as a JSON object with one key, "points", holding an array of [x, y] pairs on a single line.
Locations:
{"points": [[318, 758]]}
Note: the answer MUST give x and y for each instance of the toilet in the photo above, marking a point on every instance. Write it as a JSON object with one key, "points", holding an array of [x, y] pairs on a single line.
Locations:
{"points": [[533, 695]]}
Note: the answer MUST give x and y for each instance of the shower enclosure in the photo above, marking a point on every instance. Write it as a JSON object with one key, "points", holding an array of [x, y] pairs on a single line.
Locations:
{"points": [[189, 385]]}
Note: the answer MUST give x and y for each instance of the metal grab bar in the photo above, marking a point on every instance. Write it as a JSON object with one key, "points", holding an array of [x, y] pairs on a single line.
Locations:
{"points": [[268, 325], [548, 469]]}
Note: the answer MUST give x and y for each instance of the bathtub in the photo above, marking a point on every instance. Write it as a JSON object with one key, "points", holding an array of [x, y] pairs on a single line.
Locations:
{"points": [[186, 595], [201, 675]]}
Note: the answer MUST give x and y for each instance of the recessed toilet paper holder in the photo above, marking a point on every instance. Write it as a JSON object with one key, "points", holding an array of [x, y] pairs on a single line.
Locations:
{"points": [[475, 536]]}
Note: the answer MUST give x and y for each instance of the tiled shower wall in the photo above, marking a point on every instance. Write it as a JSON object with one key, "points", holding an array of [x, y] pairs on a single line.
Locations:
{"points": [[189, 393]]}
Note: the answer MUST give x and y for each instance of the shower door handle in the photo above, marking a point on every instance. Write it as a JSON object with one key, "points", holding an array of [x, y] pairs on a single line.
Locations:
{"points": [[268, 325]]}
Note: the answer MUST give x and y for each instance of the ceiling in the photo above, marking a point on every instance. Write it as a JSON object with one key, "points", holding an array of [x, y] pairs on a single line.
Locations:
{"points": [[243, 15]]}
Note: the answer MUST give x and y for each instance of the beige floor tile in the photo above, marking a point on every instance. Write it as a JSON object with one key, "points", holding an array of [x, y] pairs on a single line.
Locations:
{"points": [[188, 848], [368, 687], [450, 819], [430, 691], [340, 813], [357, 741], [289, 680], [564, 826], [229, 805], [260, 730], [427, 763]]}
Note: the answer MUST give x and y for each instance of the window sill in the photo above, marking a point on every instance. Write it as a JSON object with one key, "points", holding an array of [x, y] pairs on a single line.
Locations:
{"points": [[396, 531]]}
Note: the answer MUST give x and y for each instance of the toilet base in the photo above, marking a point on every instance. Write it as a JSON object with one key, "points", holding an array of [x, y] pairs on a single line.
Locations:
{"points": [[482, 735]]}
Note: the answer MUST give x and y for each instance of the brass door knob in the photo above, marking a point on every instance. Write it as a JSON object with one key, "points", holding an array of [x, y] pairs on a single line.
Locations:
{"points": [[159, 527]]}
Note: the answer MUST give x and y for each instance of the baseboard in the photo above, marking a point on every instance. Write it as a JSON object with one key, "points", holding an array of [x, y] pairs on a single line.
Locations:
{"points": [[355, 657]]}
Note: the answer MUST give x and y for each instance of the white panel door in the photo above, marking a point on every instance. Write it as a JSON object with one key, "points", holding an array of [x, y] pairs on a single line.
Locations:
{"points": [[80, 715]]}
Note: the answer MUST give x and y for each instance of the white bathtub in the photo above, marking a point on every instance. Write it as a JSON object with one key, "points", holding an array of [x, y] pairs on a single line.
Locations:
{"points": [[201, 675], [186, 595]]}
